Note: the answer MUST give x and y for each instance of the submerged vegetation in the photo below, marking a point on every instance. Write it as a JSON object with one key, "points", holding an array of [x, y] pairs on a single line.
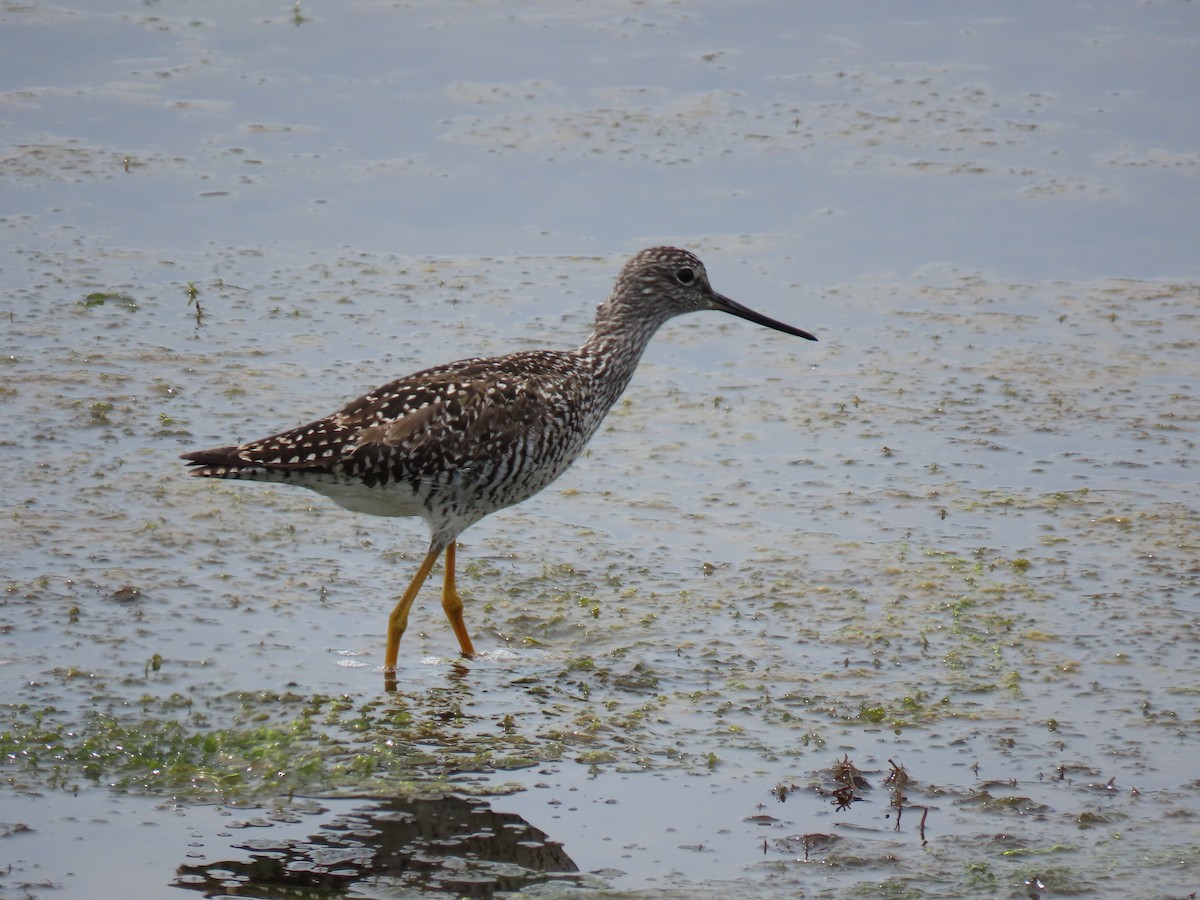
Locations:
{"points": [[962, 638], [278, 744], [995, 644], [596, 709]]}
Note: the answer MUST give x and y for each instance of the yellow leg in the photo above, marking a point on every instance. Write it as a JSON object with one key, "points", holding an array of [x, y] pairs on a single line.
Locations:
{"points": [[453, 605], [398, 620]]}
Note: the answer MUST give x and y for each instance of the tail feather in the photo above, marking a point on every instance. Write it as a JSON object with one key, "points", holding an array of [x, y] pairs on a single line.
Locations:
{"points": [[219, 462], [309, 450], [218, 456], [248, 463]]}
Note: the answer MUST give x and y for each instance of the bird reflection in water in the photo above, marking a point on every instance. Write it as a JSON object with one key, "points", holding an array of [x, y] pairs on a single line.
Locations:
{"points": [[449, 843]]}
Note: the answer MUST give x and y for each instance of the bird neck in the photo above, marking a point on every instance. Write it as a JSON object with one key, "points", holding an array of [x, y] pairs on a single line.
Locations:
{"points": [[616, 345]]}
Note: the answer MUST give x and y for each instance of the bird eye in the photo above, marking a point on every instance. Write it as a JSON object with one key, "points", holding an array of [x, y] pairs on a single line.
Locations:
{"points": [[685, 275]]}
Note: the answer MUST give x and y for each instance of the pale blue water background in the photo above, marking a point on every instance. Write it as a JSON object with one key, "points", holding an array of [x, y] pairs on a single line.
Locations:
{"points": [[987, 212]]}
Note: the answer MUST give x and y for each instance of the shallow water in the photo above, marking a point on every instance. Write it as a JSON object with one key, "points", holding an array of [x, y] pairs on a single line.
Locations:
{"points": [[957, 535]]}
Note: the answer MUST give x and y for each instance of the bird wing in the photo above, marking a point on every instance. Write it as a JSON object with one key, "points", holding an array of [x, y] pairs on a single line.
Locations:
{"points": [[452, 416], [411, 426]]}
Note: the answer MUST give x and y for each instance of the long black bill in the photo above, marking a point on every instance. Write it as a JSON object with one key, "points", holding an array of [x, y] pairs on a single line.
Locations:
{"points": [[732, 307]]}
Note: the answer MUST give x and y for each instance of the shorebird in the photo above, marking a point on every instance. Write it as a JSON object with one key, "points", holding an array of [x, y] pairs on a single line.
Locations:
{"points": [[457, 442]]}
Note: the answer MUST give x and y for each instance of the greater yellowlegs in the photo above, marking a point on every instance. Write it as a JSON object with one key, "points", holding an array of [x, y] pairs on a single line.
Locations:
{"points": [[456, 442]]}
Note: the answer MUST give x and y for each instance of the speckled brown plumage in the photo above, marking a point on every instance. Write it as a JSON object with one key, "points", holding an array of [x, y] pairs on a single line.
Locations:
{"points": [[457, 442]]}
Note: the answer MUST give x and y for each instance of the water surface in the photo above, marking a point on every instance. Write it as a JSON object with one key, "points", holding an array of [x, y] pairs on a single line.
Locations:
{"points": [[953, 543]]}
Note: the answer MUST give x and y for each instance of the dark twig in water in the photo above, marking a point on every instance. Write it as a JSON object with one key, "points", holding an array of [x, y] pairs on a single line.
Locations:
{"points": [[849, 779], [898, 779], [193, 294]]}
